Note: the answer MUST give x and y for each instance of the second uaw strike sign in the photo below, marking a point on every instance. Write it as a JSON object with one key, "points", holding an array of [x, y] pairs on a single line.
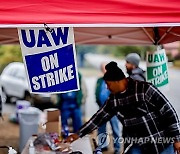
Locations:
{"points": [[157, 70], [49, 59]]}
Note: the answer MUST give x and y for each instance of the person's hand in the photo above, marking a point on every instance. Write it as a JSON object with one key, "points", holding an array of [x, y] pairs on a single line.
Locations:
{"points": [[72, 138], [177, 147]]}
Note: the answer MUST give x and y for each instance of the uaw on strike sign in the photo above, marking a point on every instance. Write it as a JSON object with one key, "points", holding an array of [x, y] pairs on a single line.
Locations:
{"points": [[50, 59], [157, 70]]}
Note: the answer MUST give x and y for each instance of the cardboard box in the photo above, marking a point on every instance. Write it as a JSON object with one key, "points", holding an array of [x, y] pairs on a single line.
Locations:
{"points": [[53, 127], [53, 115], [53, 124]]}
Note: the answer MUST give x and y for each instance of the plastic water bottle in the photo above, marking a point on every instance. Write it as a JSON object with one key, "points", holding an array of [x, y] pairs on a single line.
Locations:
{"points": [[31, 148], [12, 151]]}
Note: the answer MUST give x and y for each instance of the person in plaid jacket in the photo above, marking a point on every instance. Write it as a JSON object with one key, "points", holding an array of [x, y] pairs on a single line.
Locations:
{"points": [[148, 118]]}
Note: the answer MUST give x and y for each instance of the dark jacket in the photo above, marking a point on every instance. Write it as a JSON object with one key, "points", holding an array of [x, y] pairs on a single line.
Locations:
{"points": [[146, 115], [98, 89]]}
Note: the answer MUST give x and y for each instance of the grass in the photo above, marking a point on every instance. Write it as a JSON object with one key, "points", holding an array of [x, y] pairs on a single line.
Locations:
{"points": [[177, 63]]}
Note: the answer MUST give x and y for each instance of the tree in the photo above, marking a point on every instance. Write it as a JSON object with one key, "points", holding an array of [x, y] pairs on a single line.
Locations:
{"points": [[8, 54]]}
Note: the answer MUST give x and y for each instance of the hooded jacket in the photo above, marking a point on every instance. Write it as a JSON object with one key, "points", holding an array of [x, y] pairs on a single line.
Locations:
{"points": [[138, 74]]}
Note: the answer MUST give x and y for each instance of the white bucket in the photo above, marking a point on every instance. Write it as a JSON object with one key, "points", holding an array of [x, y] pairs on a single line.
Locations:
{"points": [[28, 120]]}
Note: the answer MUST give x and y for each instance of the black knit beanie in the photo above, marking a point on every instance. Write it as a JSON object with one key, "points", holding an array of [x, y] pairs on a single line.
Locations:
{"points": [[113, 72]]}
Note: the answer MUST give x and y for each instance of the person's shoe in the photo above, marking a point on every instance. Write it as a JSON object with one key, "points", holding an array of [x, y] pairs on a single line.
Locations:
{"points": [[104, 149]]}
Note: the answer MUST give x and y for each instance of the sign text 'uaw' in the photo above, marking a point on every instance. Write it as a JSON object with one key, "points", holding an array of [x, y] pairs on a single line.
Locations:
{"points": [[50, 59], [157, 70]]}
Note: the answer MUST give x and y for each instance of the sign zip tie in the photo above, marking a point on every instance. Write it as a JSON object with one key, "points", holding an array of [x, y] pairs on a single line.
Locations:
{"points": [[159, 47], [47, 28]]}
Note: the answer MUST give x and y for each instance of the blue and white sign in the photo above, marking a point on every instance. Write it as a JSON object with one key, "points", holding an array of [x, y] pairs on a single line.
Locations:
{"points": [[50, 59]]}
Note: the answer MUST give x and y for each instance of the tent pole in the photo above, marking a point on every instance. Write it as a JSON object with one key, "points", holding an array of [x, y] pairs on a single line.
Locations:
{"points": [[149, 36], [175, 34], [8, 41], [164, 35], [156, 35]]}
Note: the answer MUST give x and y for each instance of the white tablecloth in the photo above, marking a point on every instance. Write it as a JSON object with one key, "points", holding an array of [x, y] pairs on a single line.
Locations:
{"points": [[82, 144]]}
